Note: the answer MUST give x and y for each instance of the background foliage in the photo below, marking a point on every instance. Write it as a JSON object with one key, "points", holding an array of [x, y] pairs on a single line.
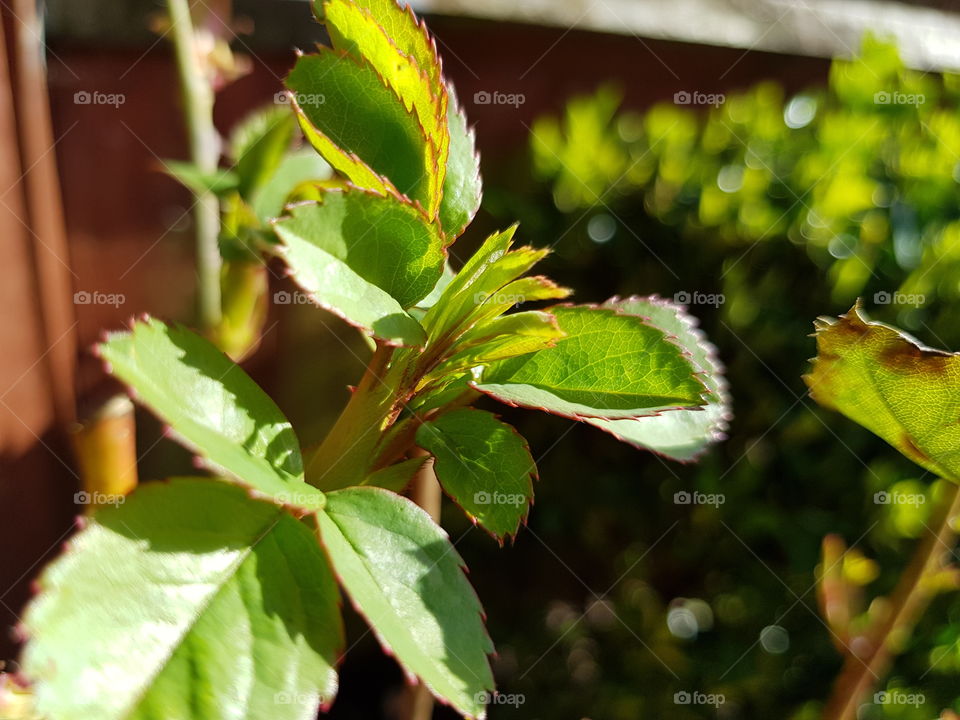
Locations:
{"points": [[774, 210]]}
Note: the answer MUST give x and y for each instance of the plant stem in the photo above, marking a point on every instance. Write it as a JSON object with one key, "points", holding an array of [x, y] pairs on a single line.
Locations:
{"points": [[861, 674], [425, 492], [204, 142], [346, 452]]}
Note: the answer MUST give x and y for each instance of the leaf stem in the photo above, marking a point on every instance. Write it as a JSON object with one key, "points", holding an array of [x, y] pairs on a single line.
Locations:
{"points": [[862, 673], [204, 143]]}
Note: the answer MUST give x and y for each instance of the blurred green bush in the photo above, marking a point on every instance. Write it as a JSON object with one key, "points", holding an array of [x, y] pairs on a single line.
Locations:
{"points": [[764, 212]]}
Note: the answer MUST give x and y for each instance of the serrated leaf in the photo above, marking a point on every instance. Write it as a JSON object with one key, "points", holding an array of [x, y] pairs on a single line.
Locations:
{"points": [[219, 607], [355, 30], [484, 465], [346, 101], [609, 365], [504, 337], [462, 186], [295, 168], [404, 576], [891, 384], [258, 145], [680, 434], [382, 240], [211, 404], [401, 26]]}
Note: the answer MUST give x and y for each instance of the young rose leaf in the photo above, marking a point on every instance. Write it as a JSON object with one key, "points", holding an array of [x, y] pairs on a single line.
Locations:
{"points": [[296, 168], [258, 145], [505, 337], [401, 26], [462, 186], [608, 365], [379, 238], [211, 405], [680, 434], [189, 600], [356, 31], [894, 386], [345, 101], [404, 576], [484, 465]]}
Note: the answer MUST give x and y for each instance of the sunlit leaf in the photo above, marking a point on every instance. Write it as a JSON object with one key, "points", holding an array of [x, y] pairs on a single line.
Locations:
{"points": [[404, 576], [484, 465], [218, 607], [211, 404], [894, 386], [608, 365]]}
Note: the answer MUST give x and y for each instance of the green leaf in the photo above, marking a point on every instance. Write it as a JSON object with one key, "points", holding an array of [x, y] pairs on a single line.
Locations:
{"points": [[382, 240], [396, 477], [294, 169], [345, 101], [504, 337], [212, 405], [891, 384], [462, 186], [484, 465], [258, 145], [609, 365], [679, 434], [190, 600], [356, 31], [199, 182], [404, 576]]}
